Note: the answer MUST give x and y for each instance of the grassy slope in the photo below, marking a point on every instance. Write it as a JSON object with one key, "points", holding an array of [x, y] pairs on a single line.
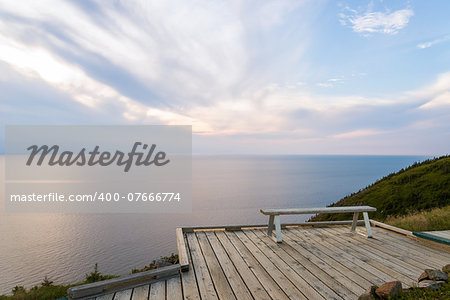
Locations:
{"points": [[435, 219], [419, 187]]}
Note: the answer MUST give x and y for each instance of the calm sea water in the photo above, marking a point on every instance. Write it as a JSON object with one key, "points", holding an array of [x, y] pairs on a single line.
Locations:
{"points": [[226, 190]]}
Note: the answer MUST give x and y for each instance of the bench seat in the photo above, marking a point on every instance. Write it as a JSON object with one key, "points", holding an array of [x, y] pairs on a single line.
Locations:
{"points": [[274, 216]]}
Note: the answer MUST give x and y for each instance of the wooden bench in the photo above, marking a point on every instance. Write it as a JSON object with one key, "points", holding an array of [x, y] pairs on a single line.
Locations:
{"points": [[274, 216]]}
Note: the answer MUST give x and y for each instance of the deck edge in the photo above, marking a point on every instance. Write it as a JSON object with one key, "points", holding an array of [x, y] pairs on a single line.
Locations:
{"points": [[249, 226], [391, 228], [182, 252], [119, 283], [432, 237]]}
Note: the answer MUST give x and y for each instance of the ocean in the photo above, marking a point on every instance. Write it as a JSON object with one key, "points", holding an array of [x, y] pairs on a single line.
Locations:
{"points": [[226, 190]]}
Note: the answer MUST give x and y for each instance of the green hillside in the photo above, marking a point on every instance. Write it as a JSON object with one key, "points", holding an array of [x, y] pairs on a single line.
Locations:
{"points": [[421, 186]]}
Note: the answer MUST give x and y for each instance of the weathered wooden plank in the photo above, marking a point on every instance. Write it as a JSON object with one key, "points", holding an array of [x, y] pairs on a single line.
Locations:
{"points": [[182, 253], [287, 279], [105, 297], [174, 288], [444, 234], [317, 210], [390, 227], [412, 244], [335, 269], [328, 286], [221, 283], [123, 295], [117, 283], [234, 279], [141, 292], [189, 282], [252, 283], [188, 229], [393, 251], [389, 258], [404, 248], [338, 251], [353, 249], [158, 290], [352, 267], [204, 281], [266, 279], [440, 251], [311, 286], [432, 237]]}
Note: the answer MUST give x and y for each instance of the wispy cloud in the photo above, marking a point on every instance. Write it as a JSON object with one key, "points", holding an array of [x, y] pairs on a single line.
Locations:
{"points": [[435, 96], [335, 79], [233, 71], [331, 82], [357, 133], [324, 84], [37, 62], [433, 42], [191, 58], [381, 22]]}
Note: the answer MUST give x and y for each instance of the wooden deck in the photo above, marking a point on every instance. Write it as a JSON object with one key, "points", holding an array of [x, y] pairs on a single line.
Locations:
{"points": [[311, 263], [437, 236], [443, 233]]}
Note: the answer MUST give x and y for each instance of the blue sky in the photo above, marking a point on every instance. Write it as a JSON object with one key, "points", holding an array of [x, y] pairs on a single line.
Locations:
{"points": [[278, 77]]}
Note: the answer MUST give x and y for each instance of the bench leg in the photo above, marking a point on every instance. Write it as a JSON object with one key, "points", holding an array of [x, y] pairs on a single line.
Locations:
{"points": [[270, 228], [367, 222], [355, 220], [278, 229]]}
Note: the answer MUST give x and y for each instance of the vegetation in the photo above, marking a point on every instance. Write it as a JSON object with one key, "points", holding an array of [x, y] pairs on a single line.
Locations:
{"points": [[420, 187], [37, 292], [417, 293], [96, 276], [161, 262], [435, 219], [47, 290]]}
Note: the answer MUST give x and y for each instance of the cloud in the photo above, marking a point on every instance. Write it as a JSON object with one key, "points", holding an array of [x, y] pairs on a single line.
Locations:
{"points": [[324, 84], [433, 42], [36, 62], [191, 56], [331, 82], [357, 133], [381, 22], [438, 101], [225, 69], [160, 49], [335, 79], [435, 96]]}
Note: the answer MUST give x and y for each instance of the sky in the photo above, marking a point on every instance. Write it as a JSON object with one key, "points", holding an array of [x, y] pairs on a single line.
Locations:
{"points": [[251, 77]]}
